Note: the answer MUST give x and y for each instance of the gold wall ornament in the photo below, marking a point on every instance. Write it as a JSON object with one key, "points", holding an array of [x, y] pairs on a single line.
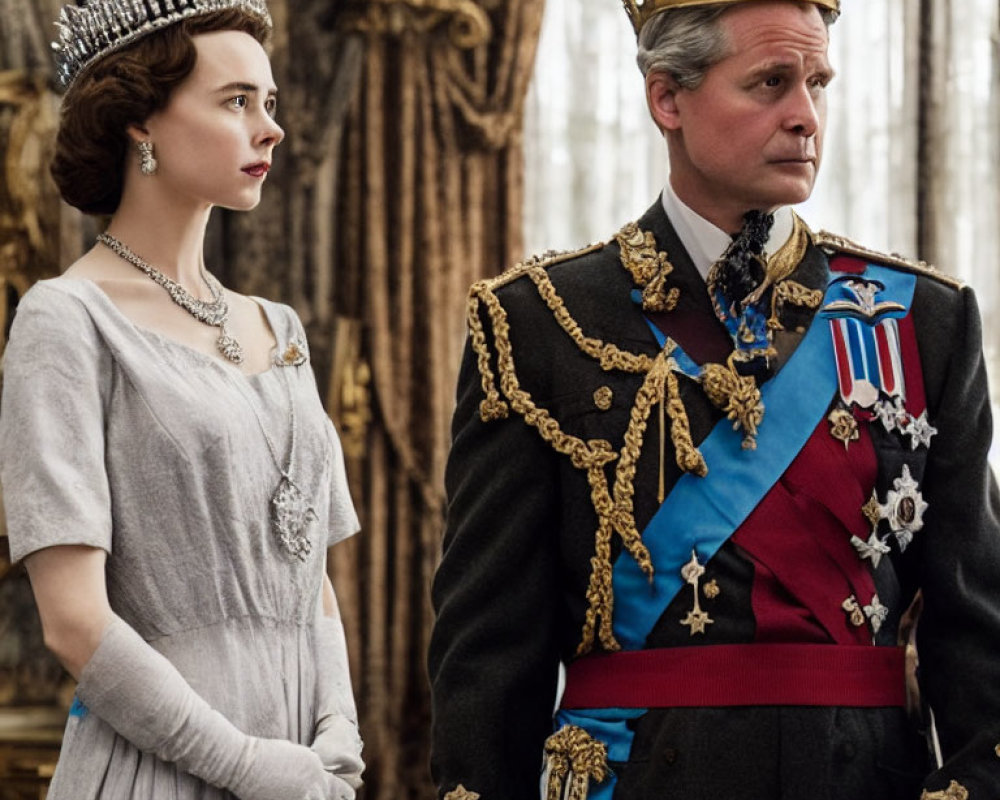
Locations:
{"points": [[38, 234], [467, 23], [955, 791], [349, 393]]}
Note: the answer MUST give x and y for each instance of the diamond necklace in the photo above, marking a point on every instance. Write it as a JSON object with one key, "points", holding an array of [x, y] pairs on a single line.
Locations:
{"points": [[215, 312], [291, 511]]}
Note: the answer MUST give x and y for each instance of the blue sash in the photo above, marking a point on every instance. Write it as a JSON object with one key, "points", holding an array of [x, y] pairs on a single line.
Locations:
{"points": [[700, 514]]}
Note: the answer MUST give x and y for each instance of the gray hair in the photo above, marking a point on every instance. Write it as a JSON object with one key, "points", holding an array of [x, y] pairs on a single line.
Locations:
{"points": [[686, 42]]}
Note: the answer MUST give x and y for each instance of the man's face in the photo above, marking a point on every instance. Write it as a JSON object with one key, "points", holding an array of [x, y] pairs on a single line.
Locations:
{"points": [[751, 135]]}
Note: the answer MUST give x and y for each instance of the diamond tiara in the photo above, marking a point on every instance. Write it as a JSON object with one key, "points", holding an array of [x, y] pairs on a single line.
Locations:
{"points": [[640, 11], [92, 29]]}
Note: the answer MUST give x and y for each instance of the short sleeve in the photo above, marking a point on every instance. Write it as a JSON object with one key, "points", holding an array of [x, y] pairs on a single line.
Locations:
{"points": [[56, 379], [343, 521]]}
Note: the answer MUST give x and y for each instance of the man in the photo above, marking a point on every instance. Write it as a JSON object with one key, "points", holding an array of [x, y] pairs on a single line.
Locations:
{"points": [[714, 467]]}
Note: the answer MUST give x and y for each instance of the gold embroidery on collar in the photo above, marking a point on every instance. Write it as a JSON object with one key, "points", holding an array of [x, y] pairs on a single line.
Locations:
{"points": [[784, 262], [608, 355]]}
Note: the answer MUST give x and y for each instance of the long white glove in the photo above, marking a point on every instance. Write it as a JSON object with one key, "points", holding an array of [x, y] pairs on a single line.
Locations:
{"points": [[337, 741], [144, 698]]}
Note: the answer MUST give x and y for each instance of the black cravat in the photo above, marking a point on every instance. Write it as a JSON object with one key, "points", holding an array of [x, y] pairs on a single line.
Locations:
{"points": [[741, 270]]}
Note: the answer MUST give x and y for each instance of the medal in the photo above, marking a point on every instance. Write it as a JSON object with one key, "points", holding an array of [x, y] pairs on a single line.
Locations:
{"points": [[696, 619]]}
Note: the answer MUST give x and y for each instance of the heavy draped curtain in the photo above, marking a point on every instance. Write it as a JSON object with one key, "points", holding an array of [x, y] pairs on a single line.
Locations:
{"points": [[429, 200]]}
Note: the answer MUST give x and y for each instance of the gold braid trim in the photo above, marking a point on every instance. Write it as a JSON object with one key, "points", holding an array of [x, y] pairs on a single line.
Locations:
{"points": [[615, 510], [491, 408], [784, 262], [648, 266], [651, 392], [794, 293], [600, 596], [591, 456], [955, 791], [689, 457], [842, 244], [661, 386], [608, 355], [573, 757], [461, 793], [584, 455], [544, 261]]}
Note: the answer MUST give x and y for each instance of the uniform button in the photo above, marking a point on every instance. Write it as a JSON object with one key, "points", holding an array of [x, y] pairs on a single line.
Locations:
{"points": [[669, 755]]}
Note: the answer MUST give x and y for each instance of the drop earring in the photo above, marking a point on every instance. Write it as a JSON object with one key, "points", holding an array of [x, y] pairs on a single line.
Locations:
{"points": [[147, 165]]}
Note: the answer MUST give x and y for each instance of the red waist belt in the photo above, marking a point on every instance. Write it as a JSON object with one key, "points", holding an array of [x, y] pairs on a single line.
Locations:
{"points": [[739, 675]]}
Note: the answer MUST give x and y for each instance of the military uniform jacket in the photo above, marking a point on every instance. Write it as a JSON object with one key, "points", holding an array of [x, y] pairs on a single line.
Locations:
{"points": [[566, 432]]}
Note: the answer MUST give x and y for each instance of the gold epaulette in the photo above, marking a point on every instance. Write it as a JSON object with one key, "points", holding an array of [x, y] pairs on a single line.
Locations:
{"points": [[842, 244], [545, 260]]}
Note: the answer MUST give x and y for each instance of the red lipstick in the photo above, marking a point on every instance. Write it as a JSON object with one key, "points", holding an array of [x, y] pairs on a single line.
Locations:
{"points": [[258, 170]]}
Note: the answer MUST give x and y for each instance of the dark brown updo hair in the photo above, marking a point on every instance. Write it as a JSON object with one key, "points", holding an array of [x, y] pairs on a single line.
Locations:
{"points": [[126, 88]]}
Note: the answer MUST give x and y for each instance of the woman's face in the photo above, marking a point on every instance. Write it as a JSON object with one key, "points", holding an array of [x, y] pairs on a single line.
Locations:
{"points": [[215, 138]]}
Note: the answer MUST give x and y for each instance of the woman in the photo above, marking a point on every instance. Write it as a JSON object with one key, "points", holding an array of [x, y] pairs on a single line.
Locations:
{"points": [[170, 477]]}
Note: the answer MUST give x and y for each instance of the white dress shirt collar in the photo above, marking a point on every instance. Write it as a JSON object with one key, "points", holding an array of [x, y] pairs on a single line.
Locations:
{"points": [[704, 241]]}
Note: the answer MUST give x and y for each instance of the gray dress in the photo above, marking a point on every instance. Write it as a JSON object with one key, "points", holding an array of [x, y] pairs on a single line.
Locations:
{"points": [[116, 437]]}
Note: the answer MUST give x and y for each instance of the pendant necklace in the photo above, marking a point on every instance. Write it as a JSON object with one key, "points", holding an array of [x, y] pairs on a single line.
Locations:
{"points": [[291, 510], [214, 312]]}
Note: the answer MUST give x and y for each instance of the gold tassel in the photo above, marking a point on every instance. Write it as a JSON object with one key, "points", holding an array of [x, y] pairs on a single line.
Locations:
{"points": [[955, 791], [661, 489], [573, 758], [689, 457], [738, 397]]}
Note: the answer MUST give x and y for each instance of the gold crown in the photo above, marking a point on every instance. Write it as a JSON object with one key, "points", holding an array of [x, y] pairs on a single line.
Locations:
{"points": [[91, 29], [640, 12]]}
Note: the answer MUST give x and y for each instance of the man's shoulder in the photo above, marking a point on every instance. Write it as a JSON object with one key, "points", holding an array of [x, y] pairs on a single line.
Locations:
{"points": [[834, 244], [560, 265]]}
